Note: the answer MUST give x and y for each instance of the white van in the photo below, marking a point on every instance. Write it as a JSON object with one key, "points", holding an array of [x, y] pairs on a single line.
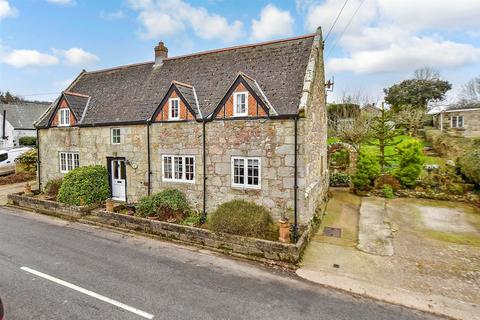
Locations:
{"points": [[7, 159]]}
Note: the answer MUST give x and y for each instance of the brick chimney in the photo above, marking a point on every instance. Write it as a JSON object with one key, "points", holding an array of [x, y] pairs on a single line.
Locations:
{"points": [[161, 53]]}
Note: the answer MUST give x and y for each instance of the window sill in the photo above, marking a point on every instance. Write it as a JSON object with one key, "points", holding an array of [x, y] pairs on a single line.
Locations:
{"points": [[178, 181], [240, 187]]}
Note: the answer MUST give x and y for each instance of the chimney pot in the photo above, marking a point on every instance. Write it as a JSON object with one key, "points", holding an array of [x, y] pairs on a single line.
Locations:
{"points": [[161, 53]]}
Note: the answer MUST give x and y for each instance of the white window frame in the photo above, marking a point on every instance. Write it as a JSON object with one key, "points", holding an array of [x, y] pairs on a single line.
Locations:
{"points": [[64, 117], [72, 161], [245, 184], [112, 135], [240, 114], [183, 178], [170, 104], [457, 118]]}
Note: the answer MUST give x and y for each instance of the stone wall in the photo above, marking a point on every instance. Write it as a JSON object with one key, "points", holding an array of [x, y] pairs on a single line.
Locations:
{"points": [[313, 173], [94, 146], [471, 127]]}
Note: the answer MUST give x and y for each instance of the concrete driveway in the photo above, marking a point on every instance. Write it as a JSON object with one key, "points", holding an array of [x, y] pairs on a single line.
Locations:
{"points": [[435, 264]]}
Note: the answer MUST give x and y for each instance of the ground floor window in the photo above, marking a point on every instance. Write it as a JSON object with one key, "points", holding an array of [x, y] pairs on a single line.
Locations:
{"points": [[246, 172], [68, 161], [457, 121], [179, 168]]}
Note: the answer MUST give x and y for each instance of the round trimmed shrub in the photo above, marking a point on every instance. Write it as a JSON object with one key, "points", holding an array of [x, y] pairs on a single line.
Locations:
{"points": [[411, 162], [470, 164], [146, 207], [85, 185], [368, 169], [242, 218]]}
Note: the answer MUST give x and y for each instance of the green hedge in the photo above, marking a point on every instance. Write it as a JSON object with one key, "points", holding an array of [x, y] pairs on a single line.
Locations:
{"points": [[85, 185], [53, 187], [411, 162], [28, 141], [470, 163], [243, 218], [368, 169], [169, 204]]}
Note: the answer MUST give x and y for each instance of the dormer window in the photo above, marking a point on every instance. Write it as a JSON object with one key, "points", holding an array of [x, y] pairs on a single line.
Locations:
{"points": [[174, 109], [64, 117], [240, 104]]}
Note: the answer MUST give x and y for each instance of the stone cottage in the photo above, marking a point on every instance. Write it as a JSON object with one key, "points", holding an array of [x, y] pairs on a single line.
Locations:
{"points": [[246, 122], [16, 121], [462, 121]]}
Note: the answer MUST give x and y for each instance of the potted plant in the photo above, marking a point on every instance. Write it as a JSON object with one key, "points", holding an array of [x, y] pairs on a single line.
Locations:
{"points": [[109, 204], [284, 230]]}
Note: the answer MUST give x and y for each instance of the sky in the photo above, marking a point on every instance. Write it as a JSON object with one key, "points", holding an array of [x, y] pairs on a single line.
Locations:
{"points": [[44, 44]]}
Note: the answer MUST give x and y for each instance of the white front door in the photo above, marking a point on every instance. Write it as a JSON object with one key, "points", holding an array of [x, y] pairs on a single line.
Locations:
{"points": [[119, 176]]}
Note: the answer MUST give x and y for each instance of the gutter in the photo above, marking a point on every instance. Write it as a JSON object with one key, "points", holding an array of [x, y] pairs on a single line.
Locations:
{"points": [[39, 162], [295, 183], [4, 120], [149, 178], [204, 156]]}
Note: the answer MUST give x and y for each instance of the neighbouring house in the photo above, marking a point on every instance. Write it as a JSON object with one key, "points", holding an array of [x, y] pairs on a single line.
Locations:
{"points": [[246, 122], [371, 109], [463, 121], [16, 121]]}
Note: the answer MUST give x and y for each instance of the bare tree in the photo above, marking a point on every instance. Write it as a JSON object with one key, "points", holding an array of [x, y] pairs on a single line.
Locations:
{"points": [[427, 73], [411, 118], [355, 132], [471, 90]]}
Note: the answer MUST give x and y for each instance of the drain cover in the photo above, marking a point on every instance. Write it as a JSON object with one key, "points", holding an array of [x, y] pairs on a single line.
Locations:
{"points": [[332, 232]]}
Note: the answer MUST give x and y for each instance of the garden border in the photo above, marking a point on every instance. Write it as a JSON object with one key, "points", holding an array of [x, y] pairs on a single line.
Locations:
{"points": [[277, 253]]}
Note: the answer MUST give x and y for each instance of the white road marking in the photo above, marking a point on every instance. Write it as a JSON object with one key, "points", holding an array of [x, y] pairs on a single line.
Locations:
{"points": [[89, 293]]}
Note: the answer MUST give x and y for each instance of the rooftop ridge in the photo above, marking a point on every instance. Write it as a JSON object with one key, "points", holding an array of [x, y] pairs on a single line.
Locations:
{"points": [[205, 53], [182, 84]]}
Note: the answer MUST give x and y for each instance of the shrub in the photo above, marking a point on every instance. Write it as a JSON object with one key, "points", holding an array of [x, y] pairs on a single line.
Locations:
{"points": [[53, 186], [242, 218], [389, 180], [367, 170], [171, 204], [85, 185], [388, 192], [29, 157], [194, 219], [470, 164], [146, 207], [410, 162], [27, 141], [339, 179]]}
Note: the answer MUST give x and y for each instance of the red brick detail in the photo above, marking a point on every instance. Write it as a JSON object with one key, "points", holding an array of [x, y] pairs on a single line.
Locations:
{"points": [[56, 118], [185, 114], [254, 108]]}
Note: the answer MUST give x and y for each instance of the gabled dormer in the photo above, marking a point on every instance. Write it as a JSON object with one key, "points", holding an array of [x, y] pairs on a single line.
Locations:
{"points": [[180, 103], [243, 99], [69, 109]]}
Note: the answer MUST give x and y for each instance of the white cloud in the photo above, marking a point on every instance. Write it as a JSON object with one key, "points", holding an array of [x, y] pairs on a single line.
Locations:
{"points": [[115, 15], [167, 17], [407, 53], [324, 15], [427, 14], [273, 22], [6, 10], [76, 56], [28, 58], [63, 2]]}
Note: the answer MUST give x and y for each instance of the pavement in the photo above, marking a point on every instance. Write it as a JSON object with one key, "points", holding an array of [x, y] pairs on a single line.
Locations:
{"points": [[6, 189], [55, 269], [435, 265]]}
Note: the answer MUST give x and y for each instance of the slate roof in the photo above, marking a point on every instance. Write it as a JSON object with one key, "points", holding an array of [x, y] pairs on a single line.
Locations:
{"points": [[77, 103], [132, 93], [22, 116], [188, 92]]}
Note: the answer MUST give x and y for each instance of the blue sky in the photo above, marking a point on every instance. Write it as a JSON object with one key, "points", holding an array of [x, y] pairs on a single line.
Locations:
{"points": [[44, 44]]}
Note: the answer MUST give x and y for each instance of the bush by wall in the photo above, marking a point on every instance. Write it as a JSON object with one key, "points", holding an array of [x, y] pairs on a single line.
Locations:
{"points": [[85, 185], [168, 205], [53, 187], [410, 162], [339, 179], [368, 169], [242, 218], [470, 163], [27, 141], [27, 162], [389, 180]]}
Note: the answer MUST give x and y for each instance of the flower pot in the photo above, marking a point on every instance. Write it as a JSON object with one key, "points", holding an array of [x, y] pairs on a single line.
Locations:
{"points": [[155, 218], [284, 230], [28, 190], [109, 204]]}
